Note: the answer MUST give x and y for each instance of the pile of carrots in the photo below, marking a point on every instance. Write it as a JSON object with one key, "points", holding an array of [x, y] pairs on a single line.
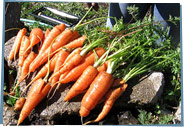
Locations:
{"points": [[64, 57], [61, 51]]}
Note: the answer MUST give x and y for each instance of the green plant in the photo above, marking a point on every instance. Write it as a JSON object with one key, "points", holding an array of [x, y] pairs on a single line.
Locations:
{"points": [[11, 100], [146, 118]]}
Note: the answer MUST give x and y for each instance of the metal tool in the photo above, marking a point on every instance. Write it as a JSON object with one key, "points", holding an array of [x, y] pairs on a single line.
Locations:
{"points": [[68, 17], [70, 20]]}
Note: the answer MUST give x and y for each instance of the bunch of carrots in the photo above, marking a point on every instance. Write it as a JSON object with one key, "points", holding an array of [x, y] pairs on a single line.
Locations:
{"points": [[64, 57], [61, 52]]}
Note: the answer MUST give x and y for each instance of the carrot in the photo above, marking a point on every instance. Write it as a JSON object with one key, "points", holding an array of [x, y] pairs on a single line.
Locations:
{"points": [[118, 87], [57, 30], [77, 71], [85, 79], [102, 67], [45, 36], [19, 103], [35, 37], [72, 45], [82, 83], [99, 87], [46, 33], [76, 43], [60, 60], [75, 35], [75, 51], [61, 27], [44, 69], [25, 67], [17, 43], [77, 58], [96, 91], [54, 84], [111, 97], [24, 45], [61, 40], [36, 94]]}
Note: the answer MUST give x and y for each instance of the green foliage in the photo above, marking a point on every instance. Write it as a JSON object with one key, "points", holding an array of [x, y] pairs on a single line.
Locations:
{"points": [[5, 87], [11, 71], [11, 100], [146, 118], [132, 10]]}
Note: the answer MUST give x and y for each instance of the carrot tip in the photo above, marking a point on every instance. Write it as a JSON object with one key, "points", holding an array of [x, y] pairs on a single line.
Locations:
{"points": [[88, 122], [19, 122]]}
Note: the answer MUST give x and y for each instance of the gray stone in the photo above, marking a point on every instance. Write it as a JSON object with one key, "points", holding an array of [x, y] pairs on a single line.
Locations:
{"points": [[148, 90], [144, 92], [8, 115], [126, 118], [7, 48]]}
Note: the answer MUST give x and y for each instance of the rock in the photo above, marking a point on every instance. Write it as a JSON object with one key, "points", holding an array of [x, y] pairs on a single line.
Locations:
{"points": [[7, 48], [149, 90], [8, 115], [157, 79], [126, 118], [144, 93], [177, 119]]}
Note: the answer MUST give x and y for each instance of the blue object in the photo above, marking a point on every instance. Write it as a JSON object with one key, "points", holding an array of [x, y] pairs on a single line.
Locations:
{"points": [[161, 11]]}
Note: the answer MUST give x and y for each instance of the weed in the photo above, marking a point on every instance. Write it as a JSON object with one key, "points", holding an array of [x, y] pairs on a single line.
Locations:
{"points": [[146, 118]]}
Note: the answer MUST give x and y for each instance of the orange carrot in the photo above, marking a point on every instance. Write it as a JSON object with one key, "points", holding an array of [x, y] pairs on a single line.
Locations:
{"points": [[46, 33], [19, 103], [102, 67], [96, 91], [62, 55], [85, 79], [45, 36], [82, 83], [77, 58], [24, 45], [57, 30], [44, 69], [36, 94], [77, 42], [17, 43], [35, 37], [72, 45], [61, 40], [75, 35], [75, 51], [89, 59], [25, 67], [111, 97]]}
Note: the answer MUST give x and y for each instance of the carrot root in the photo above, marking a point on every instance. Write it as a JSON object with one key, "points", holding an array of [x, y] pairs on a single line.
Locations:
{"points": [[36, 94]]}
